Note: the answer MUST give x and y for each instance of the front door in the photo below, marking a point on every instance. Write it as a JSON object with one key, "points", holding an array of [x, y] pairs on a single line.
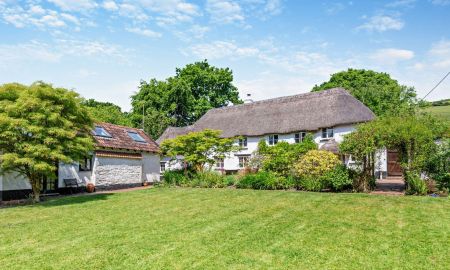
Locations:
{"points": [[393, 164]]}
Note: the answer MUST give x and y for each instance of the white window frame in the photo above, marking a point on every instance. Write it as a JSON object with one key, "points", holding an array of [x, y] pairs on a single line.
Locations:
{"points": [[242, 142], [273, 139], [162, 166], [327, 133], [220, 163], [299, 136], [243, 161]]}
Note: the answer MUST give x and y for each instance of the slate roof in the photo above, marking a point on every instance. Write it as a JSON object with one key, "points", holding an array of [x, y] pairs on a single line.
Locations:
{"points": [[302, 112], [121, 141]]}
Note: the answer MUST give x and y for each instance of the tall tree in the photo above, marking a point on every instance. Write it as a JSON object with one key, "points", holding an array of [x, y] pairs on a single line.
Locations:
{"points": [[107, 112], [377, 90], [41, 126], [184, 98]]}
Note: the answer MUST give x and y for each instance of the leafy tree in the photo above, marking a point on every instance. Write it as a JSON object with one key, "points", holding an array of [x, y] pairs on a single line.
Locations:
{"points": [[199, 148], [107, 112], [183, 99], [281, 157], [40, 126], [377, 90]]}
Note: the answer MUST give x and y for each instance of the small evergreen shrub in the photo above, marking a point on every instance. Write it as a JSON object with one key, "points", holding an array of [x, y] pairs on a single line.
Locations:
{"points": [[337, 179], [415, 185], [315, 163], [208, 180], [443, 181]]}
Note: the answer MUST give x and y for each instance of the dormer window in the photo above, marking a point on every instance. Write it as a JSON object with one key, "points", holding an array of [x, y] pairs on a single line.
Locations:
{"points": [[273, 139], [327, 133], [136, 137], [243, 142], [100, 131]]}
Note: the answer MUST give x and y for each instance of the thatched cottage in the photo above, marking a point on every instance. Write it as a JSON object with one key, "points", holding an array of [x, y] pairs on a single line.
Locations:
{"points": [[327, 115], [123, 157]]}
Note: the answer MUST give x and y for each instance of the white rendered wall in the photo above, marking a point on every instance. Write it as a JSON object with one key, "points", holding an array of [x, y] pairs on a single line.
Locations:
{"points": [[150, 168], [14, 181], [71, 171]]}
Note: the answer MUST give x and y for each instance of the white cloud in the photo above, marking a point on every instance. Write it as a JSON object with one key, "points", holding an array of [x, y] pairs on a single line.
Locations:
{"points": [[401, 3], [221, 49], [225, 12], [110, 5], [381, 23], [440, 2], [75, 5], [334, 8], [392, 55], [144, 32], [273, 7], [36, 16], [440, 54]]}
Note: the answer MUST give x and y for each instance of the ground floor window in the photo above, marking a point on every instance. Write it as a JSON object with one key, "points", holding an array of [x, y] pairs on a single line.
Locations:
{"points": [[219, 163], [273, 139], [299, 137], [162, 167], [85, 164], [243, 161], [327, 133]]}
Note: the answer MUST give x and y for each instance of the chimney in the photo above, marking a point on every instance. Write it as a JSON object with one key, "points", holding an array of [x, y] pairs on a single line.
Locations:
{"points": [[248, 99]]}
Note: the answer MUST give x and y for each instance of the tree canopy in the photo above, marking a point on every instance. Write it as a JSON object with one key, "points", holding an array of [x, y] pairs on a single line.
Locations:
{"points": [[107, 112], [41, 126], [377, 90], [199, 148], [184, 98]]}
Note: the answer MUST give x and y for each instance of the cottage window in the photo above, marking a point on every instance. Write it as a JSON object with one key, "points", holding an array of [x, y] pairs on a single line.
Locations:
{"points": [[100, 131], [219, 163], [243, 142], [162, 167], [327, 133], [243, 161], [85, 164], [273, 139], [299, 137], [136, 137]]}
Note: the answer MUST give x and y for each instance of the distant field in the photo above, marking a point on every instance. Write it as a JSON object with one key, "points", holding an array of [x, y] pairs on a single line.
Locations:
{"points": [[439, 111]]}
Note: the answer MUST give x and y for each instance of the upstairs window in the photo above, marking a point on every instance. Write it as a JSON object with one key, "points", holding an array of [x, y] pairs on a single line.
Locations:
{"points": [[327, 133], [100, 131], [136, 137], [299, 137], [273, 139], [243, 142]]}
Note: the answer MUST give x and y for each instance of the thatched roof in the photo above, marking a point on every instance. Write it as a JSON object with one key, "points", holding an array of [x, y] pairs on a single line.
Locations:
{"points": [[303, 112]]}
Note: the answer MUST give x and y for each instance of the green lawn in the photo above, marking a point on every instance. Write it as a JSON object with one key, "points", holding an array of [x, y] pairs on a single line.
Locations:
{"points": [[170, 228]]}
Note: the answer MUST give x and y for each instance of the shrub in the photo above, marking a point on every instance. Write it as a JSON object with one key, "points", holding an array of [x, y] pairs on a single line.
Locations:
{"points": [[443, 181], [316, 163], [265, 180], [175, 177], [415, 185], [208, 179], [338, 178], [311, 183]]}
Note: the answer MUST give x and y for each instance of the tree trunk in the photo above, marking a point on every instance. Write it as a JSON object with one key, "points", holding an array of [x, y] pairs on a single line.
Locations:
{"points": [[35, 181]]}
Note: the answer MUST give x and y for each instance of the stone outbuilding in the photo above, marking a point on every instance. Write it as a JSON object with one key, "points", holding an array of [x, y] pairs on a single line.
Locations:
{"points": [[123, 157]]}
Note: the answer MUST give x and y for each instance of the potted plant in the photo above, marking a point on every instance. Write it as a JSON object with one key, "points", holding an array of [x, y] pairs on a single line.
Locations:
{"points": [[90, 187]]}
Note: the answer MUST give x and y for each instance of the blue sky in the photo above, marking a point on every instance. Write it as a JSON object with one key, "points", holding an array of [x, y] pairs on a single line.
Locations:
{"points": [[102, 49]]}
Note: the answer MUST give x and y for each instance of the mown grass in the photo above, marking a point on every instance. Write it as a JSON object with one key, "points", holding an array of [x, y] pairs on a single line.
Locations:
{"points": [[179, 228]]}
